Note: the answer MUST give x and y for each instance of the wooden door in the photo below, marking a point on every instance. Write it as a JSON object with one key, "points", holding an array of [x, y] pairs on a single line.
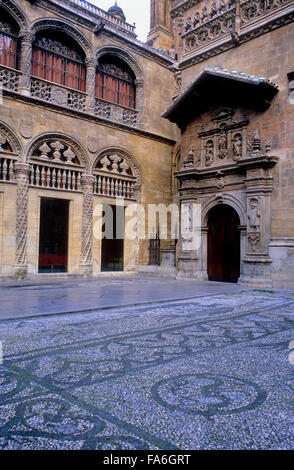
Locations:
{"points": [[223, 244]]}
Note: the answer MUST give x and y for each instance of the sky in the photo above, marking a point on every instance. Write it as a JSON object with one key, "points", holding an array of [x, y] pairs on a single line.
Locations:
{"points": [[136, 11]]}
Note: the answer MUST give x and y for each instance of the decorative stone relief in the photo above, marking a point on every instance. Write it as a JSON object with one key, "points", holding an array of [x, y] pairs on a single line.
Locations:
{"points": [[26, 129], [58, 96], [93, 144], [254, 220], [189, 161], [26, 39], [3, 141], [22, 171], [102, 109], [130, 117], [56, 151], [9, 79], [209, 152], [87, 182]]}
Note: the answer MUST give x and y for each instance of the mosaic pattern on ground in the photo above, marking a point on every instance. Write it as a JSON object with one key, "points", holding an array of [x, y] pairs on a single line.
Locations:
{"points": [[205, 373]]}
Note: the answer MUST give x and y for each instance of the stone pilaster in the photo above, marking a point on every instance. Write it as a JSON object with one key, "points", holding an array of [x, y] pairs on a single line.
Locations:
{"points": [[26, 42], [90, 87], [22, 171], [188, 265], [87, 183], [139, 83], [257, 262]]}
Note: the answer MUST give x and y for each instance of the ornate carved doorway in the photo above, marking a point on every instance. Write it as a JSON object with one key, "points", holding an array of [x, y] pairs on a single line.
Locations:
{"points": [[53, 243], [223, 257]]}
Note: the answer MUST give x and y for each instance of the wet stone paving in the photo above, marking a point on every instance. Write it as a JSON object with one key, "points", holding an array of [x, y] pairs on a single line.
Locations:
{"points": [[204, 373]]}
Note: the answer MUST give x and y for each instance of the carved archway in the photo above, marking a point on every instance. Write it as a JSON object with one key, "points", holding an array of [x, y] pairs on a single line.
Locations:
{"points": [[16, 12], [10, 152], [124, 56], [117, 173], [64, 27], [10, 138], [223, 198], [57, 162]]}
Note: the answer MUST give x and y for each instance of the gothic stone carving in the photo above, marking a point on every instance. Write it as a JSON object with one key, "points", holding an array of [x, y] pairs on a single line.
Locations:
{"points": [[22, 171], [254, 219], [87, 182]]}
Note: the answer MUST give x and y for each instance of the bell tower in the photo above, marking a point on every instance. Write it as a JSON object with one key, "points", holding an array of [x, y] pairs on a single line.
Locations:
{"points": [[160, 34]]}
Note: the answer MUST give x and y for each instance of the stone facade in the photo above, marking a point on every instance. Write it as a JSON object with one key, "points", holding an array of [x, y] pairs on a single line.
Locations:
{"points": [[53, 138], [212, 125]]}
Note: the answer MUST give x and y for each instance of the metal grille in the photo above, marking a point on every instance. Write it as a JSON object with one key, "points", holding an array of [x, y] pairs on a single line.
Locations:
{"points": [[8, 50], [154, 250], [114, 83], [58, 69]]}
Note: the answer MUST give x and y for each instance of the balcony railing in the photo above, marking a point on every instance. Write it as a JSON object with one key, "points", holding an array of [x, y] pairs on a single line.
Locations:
{"points": [[115, 186], [6, 169], [9, 78], [58, 94], [53, 177], [115, 112]]}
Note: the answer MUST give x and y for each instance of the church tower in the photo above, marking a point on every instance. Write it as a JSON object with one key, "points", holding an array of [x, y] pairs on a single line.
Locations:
{"points": [[160, 34]]}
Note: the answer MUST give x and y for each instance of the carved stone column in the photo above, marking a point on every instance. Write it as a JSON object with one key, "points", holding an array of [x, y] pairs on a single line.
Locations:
{"points": [[90, 86], [22, 171], [139, 83], [26, 41], [87, 183]]}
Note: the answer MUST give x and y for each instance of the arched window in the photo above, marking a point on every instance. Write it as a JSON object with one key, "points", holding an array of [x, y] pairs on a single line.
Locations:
{"points": [[115, 82], [8, 41], [58, 59]]}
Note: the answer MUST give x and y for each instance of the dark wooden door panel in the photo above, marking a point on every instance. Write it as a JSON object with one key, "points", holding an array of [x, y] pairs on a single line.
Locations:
{"points": [[223, 244]]}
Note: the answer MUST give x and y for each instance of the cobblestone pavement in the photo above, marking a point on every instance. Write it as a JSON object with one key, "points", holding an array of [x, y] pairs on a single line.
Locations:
{"points": [[211, 372]]}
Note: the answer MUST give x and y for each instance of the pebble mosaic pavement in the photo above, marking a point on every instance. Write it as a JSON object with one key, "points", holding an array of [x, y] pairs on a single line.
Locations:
{"points": [[204, 373]]}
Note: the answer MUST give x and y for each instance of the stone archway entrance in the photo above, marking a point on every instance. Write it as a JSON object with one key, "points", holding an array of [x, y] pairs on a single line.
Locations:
{"points": [[223, 255]]}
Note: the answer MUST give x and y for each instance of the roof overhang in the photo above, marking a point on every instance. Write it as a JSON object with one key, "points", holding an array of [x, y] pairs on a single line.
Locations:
{"points": [[221, 87]]}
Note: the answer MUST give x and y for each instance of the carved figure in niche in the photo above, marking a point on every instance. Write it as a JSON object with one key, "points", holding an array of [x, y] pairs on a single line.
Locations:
{"points": [[198, 158], [189, 23], [189, 161], [209, 152], [222, 144], [254, 215], [222, 6], [197, 19], [253, 240], [237, 147], [205, 14], [213, 11]]}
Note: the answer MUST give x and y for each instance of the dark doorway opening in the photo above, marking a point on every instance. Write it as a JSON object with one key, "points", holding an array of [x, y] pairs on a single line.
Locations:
{"points": [[223, 244], [112, 256], [53, 244]]}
